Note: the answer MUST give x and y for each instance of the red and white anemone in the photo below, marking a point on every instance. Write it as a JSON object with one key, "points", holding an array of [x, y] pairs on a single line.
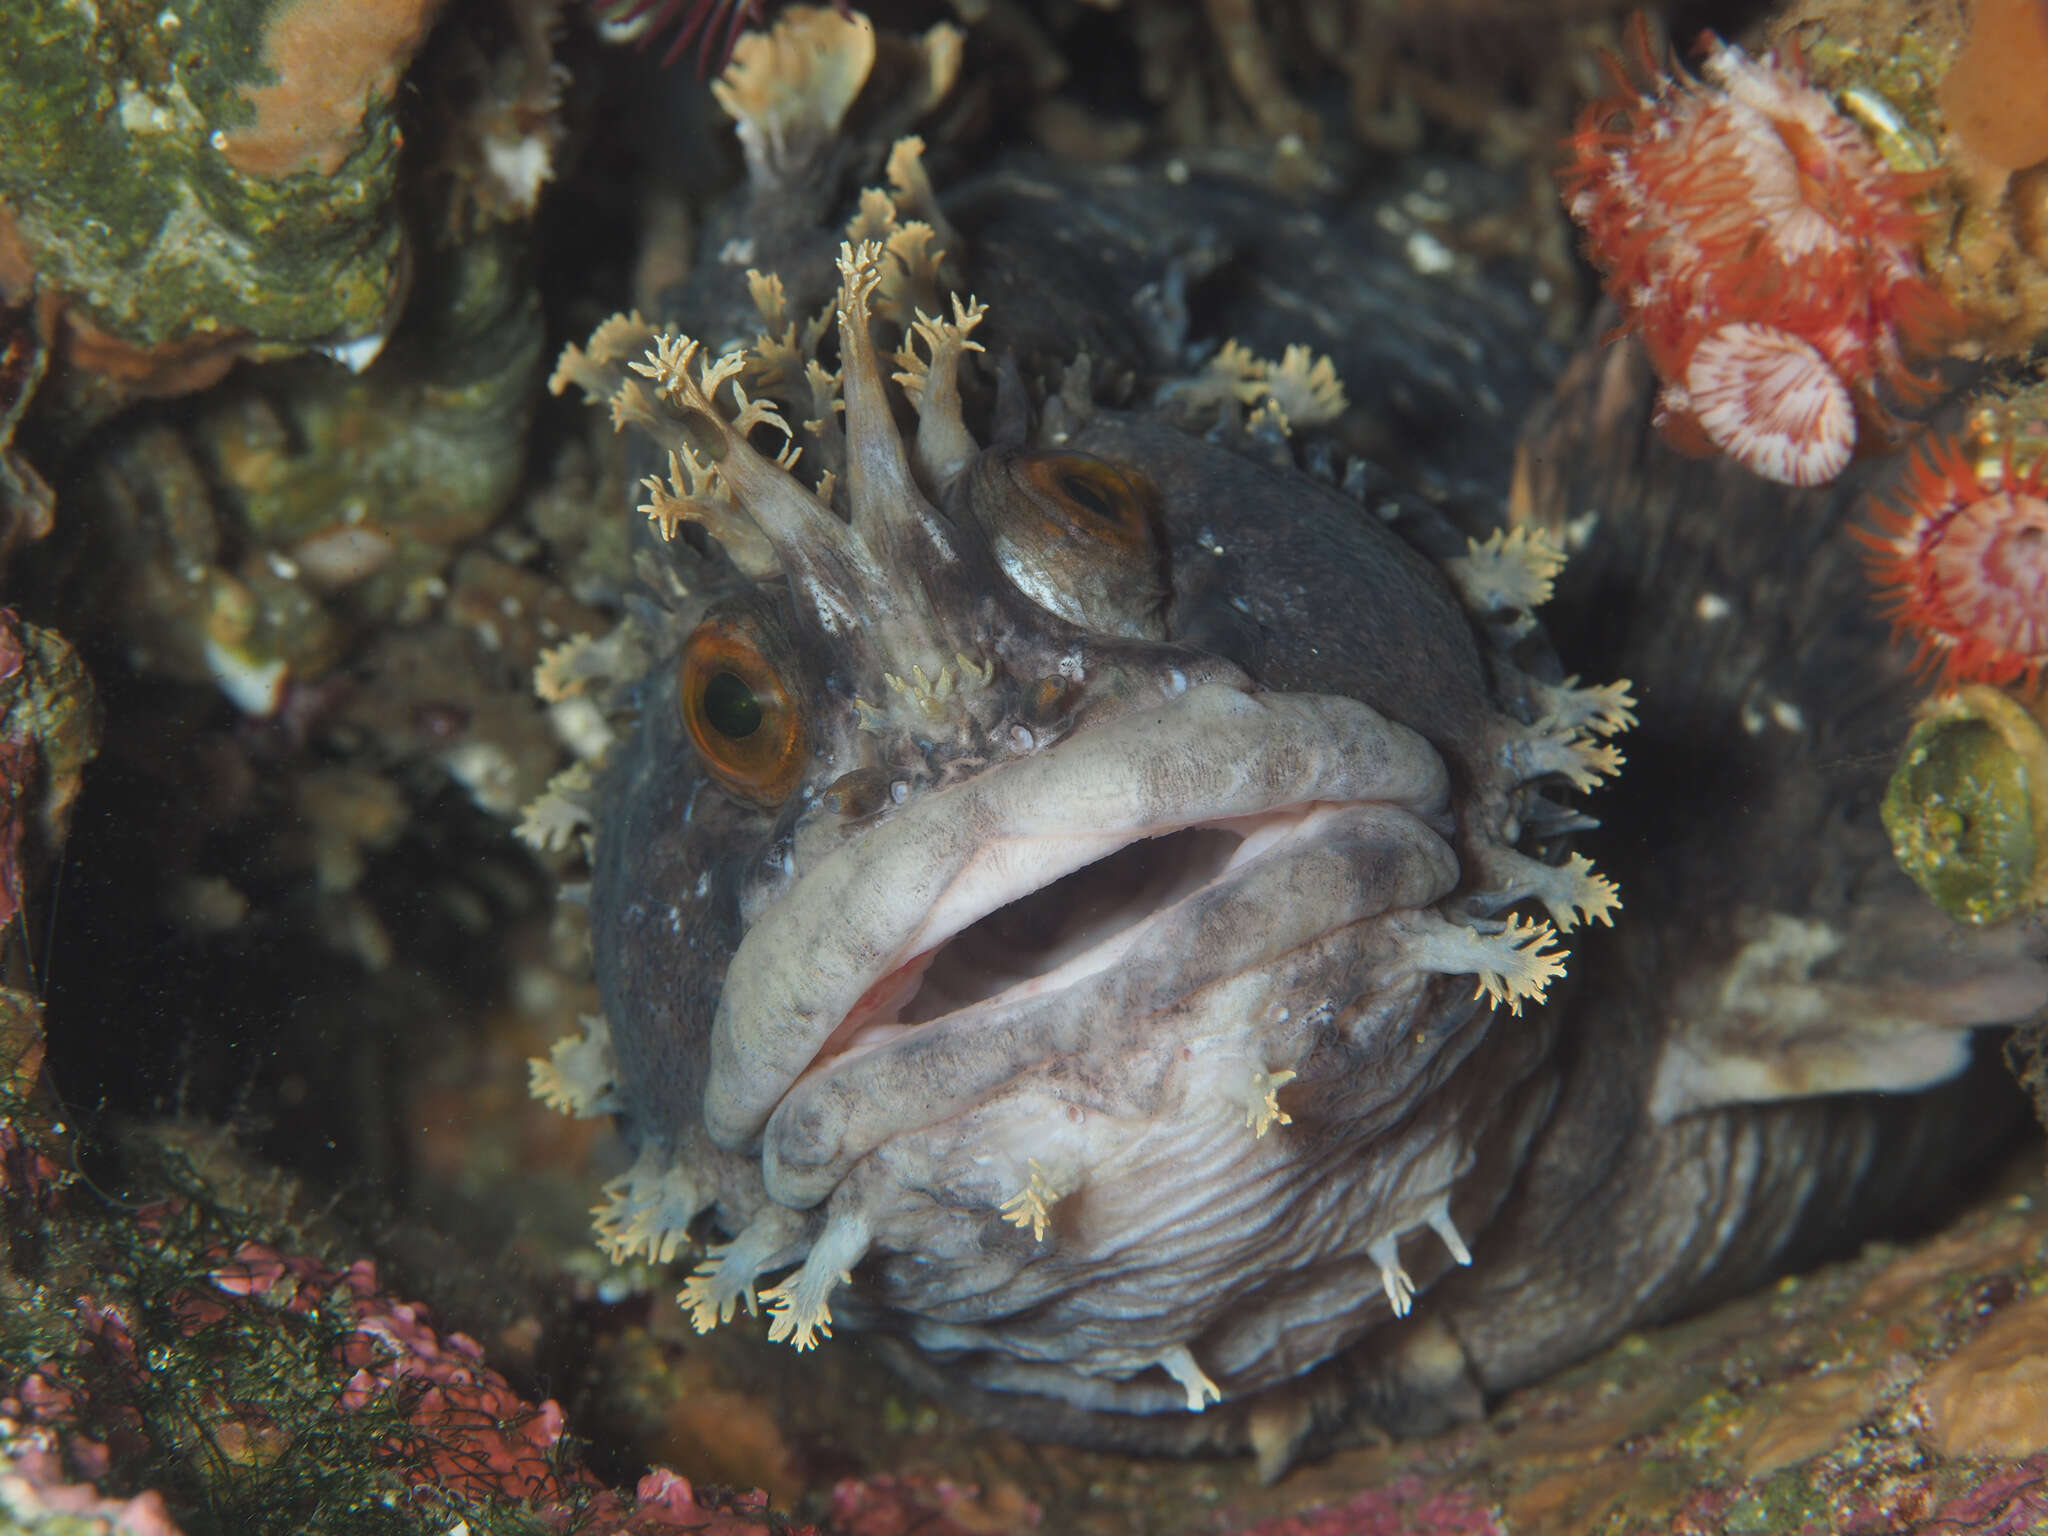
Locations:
{"points": [[1765, 252], [1961, 555]]}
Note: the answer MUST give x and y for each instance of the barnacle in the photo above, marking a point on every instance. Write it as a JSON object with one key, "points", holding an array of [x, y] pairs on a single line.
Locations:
{"points": [[1967, 807], [1764, 251]]}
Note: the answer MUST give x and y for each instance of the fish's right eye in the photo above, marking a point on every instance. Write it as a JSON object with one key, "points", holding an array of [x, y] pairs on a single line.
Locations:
{"points": [[741, 714]]}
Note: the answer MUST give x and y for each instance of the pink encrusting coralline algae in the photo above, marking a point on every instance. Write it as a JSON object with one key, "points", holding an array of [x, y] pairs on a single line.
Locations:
{"points": [[1764, 251], [462, 1437]]}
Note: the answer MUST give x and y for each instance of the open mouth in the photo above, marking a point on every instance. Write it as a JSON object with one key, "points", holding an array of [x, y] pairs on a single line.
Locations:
{"points": [[1073, 927], [1063, 922], [1033, 878]]}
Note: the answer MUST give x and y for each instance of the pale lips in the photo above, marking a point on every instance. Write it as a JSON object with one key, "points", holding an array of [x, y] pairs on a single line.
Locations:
{"points": [[948, 859]]}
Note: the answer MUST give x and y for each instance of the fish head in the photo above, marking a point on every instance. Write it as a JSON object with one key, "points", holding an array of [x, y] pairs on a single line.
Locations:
{"points": [[1067, 882]]}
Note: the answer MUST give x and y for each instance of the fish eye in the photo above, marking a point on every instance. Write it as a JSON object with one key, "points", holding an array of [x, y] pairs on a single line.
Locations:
{"points": [[741, 715], [1100, 500], [1077, 535]]}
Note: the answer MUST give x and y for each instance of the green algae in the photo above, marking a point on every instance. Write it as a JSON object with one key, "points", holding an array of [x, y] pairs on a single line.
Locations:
{"points": [[114, 121], [1785, 1503], [227, 1408], [426, 442]]}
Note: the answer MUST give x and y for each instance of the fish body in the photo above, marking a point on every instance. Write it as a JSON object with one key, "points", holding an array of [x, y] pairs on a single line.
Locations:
{"points": [[1085, 898]]}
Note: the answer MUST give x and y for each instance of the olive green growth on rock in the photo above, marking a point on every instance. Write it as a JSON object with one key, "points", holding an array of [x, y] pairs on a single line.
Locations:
{"points": [[131, 179], [1967, 807], [301, 505]]}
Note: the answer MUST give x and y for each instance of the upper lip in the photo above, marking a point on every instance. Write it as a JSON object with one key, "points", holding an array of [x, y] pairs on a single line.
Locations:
{"points": [[1214, 756]]}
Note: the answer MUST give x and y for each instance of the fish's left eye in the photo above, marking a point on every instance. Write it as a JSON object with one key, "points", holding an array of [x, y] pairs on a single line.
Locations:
{"points": [[740, 712], [1077, 535], [1100, 501]]}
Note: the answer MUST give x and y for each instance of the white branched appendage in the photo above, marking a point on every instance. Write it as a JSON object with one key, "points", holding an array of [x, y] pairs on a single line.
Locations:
{"points": [[691, 494], [1238, 372], [945, 343], [1581, 761], [788, 88], [1575, 892], [584, 665], [874, 217], [1518, 964], [932, 384], [668, 364], [1508, 572], [1269, 422], [798, 1309], [1032, 1205], [912, 187], [564, 670], [561, 811], [1515, 965], [1572, 892], [1439, 1218], [724, 1281], [930, 694], [1560, 730], [785, 347], [1178, 1361], [713, 1294], [1301, 390], [648, 1209], [695, 492], [1607, 710], [1305, 387], [911, 283], [595, 367], [1394, 1280], [621, 353], [1262, 1109], [579, 1076]]}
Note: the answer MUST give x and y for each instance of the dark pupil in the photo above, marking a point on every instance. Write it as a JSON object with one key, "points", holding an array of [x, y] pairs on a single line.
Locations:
{"points": [[730, 707], [1088, 496]]}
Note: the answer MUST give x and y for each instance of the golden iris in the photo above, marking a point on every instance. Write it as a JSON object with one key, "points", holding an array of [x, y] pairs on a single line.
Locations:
{"points": [[740, 713]]}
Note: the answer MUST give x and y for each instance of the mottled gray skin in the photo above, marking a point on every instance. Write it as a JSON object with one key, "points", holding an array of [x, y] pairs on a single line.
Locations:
{"points": [[1587, 1214]]}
